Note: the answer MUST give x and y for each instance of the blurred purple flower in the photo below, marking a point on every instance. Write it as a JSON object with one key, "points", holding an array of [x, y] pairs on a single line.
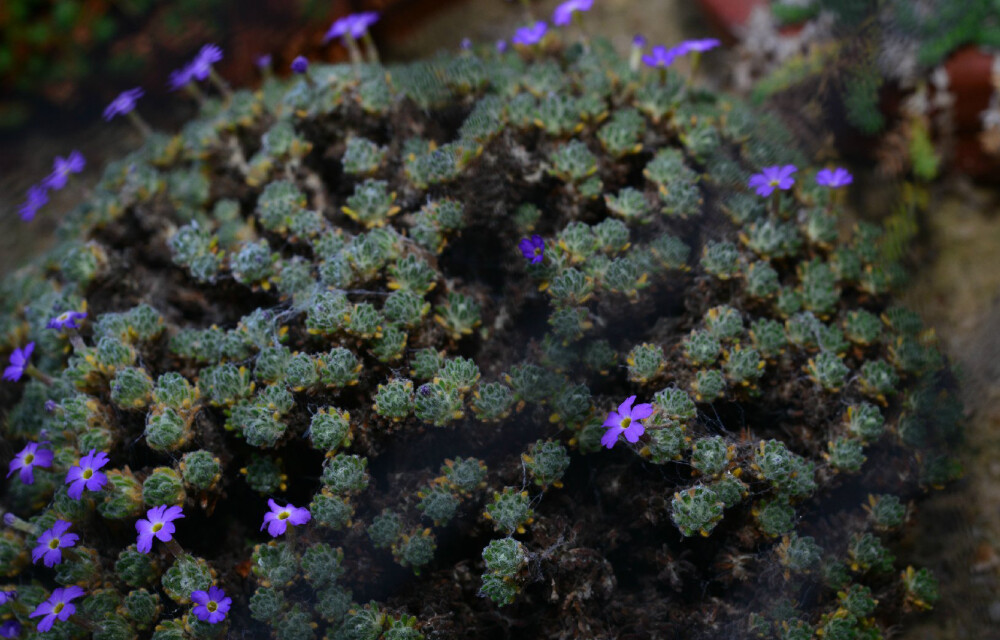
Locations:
{"points": [[501, 46], [38, 196], [18, 362], [626, 420], [201, 67], [696, 46], [159, 524], [124, 103], [87, 474], [51, 543], [639, 40], [263, 61], [62, 167], [7, 596], [354, 25], [300, 64], [57, 606], [660, 57], [278, 518], [770, 178], [212, 605], [531, 34], [179, 78], [10, 629], [839, 177], [66, 320], [564, 12]]}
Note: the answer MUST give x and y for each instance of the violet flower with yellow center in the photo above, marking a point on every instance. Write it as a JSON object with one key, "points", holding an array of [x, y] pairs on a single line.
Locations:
{"points": [[27, 459], [771, 178], [87, 474], [278, 518], [58, 606], [626, 421], [51, 543]]}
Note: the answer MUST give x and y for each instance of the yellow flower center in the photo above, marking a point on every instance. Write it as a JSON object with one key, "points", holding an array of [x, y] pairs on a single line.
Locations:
{"points": [[156, 527], [54, 543], [626, 422], [775, 182], [284, 515], [59, 607], [29, 458], [87, 473], [212, 605]]}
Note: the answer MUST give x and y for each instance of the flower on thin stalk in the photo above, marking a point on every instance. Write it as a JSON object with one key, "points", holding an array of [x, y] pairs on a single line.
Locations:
{"points": [[278, 518], [10, 629], [87, 474], [300, 64], [531, 34], [59, 605], [123, 104], [201, 67], [27, 459], [67, 320], [771, 178], [62, 167], [18, 362], [626, 420], [354, 25], [159, 524], [51, 543], [179, 78], [564, 12], [263, 61], [639, 41], [660, 57], [38, 196], [839, 177], [533, 248], [212, 605]]}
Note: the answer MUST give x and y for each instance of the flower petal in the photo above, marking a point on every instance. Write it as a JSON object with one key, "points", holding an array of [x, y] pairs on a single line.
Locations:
{"points": [[642, 411], [625, 408]]}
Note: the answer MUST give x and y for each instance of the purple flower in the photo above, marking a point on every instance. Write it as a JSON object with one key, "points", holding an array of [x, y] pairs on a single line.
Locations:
{"points": [[466, 44], [278, 518], [67, 320], [354, 25], [626, 420], [660, 57], [839, 177], [501, 46], [201, 66], [10, 629], [51, 543], [531, 34], [27, 459], [7, 596], [62, 167], [124, 103], [38, 196], [18, 363], [532, 248], [57, 606], [213, 605], [264, 61], [564, 12], [87, 474], [179, 78], [300, 64], [639, 40], [158, 525], [771, 177], [695, 46]]}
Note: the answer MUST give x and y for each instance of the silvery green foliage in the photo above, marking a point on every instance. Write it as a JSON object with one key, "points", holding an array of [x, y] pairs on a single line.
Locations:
{"points": [[316, 293]]}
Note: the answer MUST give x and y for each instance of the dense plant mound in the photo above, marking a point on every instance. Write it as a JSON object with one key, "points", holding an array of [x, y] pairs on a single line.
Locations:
{"points": [[397, 309]]}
